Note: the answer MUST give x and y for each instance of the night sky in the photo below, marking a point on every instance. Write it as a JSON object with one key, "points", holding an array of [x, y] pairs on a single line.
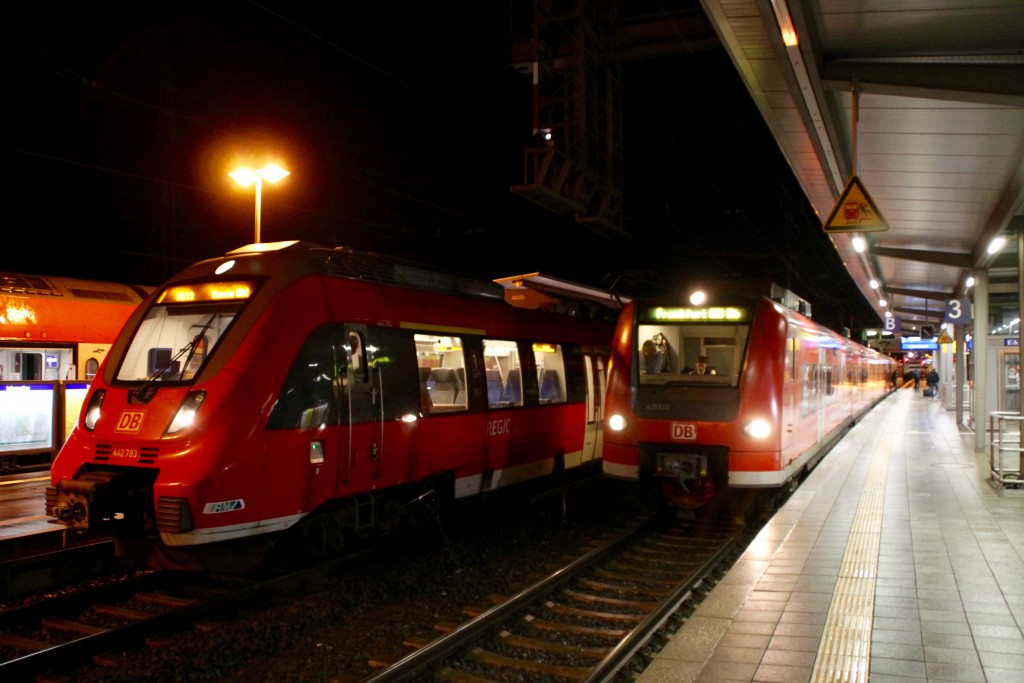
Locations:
{"points": [[403, 125]]}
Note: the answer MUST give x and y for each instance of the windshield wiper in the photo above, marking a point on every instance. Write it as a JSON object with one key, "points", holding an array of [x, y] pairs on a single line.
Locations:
{"points": [[146, 392]]}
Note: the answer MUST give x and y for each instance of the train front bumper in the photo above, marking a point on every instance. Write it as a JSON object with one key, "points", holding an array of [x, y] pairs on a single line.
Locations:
{"points": [[88, 502]]}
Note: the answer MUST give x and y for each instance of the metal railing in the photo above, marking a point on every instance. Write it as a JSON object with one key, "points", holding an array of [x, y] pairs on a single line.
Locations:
{"points": [[1004, 448]]}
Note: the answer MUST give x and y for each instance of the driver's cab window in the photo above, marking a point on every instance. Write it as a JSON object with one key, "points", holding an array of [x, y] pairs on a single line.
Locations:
{"points": [[703, 353]]}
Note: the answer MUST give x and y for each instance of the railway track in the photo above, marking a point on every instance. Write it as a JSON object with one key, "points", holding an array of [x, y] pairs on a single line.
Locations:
{"points": [[585, 621], [604, 596], [57, 633]]}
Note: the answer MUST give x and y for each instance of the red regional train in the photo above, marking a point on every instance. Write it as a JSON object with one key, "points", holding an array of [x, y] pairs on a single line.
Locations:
{"points": [[771, 394], [322, 391]]}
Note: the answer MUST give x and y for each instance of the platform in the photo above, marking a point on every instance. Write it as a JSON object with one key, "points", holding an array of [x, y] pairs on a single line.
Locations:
{"points": [[896, 560], [23, 525]]}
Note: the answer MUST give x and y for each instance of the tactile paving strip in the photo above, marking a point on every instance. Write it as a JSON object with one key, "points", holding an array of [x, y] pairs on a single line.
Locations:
{"points": [[845, 651]]}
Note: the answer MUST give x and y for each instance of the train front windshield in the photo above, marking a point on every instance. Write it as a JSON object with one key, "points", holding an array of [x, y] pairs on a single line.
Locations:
{"points": [[181, 330], [702, 352]]}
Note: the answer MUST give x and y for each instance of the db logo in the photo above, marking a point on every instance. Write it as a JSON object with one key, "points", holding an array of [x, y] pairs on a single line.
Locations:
{"points": [[684, 431], [130, 421]]}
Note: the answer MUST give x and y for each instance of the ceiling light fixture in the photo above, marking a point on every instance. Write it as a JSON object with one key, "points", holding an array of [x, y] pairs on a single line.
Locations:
{"points": [[789, 37], [996, 244]]}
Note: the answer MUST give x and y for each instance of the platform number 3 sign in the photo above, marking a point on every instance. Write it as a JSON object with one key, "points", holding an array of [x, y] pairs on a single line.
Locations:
{"points": [[958, 312]]}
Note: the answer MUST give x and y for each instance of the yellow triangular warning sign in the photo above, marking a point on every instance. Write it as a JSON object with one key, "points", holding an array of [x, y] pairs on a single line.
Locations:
{"points": [[855, 212], [944, 338]]}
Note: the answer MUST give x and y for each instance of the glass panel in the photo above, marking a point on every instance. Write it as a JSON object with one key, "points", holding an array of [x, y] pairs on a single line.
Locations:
{"points": [[550, 372], [442, 368], [504, 373], [26, 417], [309, 398], [173, 343], [1009, 399], [691, 353]]}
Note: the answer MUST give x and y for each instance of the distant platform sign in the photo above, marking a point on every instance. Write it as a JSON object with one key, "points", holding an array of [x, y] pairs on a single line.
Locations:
{"points": [[855, 212]]}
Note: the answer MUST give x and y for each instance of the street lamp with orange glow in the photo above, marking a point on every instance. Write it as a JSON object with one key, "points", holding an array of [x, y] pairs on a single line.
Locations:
{"points": [[246, 177]]}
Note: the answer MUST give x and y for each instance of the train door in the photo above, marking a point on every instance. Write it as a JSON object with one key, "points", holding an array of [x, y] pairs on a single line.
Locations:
{"points": [[30, 365], [809, 428], [90, 356], [821, 393], [596, 378], [364, 449], [306, 427], [503, 374]]}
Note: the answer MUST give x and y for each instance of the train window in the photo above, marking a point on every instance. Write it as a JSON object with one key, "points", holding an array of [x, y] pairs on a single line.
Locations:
{"points": [[550, 372], [189, 333], [391, 389], [504, 373], [668, 353], [809, 389], [442, 368], [198, 355], [309, 398], [357, 359]]}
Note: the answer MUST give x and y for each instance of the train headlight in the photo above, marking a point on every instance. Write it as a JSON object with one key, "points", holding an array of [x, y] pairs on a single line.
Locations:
{"points": [[187, 412], [92, 411], [758, 429], [616, 423]]}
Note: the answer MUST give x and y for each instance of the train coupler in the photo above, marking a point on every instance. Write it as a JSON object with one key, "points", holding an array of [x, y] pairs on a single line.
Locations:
{"points": [[687, 483]]}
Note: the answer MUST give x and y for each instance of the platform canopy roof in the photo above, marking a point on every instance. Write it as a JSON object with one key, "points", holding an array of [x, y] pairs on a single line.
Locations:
{"points": [[920, 104]]}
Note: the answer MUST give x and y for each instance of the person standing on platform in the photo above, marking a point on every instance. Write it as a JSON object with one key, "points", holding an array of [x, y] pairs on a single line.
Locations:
{"points": [[916, 374], [933, 382]]}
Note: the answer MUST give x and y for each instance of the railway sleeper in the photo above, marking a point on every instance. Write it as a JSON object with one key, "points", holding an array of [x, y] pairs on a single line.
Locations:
{"points": [[621, 589], [612, 634], [665, 584], [610, 617], [528, 643], [69, 626], [590, 599], [453, 676], [22, 643], [574, 673], [122, 612]]}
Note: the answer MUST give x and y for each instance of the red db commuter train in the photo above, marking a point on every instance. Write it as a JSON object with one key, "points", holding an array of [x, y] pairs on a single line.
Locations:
{"points": [[323, 391], [772, 392]]}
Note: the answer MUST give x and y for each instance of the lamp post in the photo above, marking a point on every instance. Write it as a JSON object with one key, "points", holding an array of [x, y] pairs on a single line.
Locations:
{"points": [[246, 177]]}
